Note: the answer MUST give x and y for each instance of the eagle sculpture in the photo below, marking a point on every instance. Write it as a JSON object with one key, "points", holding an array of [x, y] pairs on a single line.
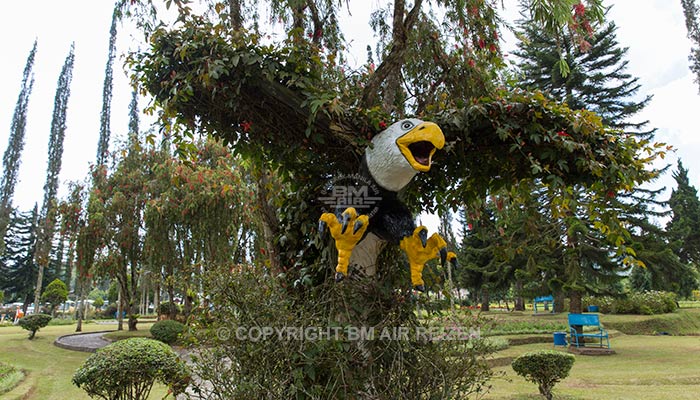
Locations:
{"points": [[269, 108], [394, 157]]}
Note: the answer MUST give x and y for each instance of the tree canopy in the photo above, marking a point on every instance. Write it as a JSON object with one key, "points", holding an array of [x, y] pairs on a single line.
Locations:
{"points": [[296, 104]]}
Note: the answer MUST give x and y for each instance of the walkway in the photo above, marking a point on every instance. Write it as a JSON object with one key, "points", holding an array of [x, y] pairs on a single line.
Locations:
{"points": [[89, 342]]}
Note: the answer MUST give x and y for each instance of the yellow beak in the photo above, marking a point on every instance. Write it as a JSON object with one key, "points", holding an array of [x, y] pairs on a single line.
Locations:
{"points": [[420, 143]]}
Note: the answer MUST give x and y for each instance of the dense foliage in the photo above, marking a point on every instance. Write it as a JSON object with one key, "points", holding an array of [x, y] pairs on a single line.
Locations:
{"points": [[645, 303], [127, 369], [322, 360], [545, 368], [34, 322]]}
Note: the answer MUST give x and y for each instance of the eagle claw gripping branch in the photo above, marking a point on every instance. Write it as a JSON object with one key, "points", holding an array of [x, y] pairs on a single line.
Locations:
{"points": [[396, 155], [345, 240]]}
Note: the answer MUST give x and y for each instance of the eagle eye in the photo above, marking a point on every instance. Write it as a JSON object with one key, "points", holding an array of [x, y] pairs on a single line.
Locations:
{"points": [[406, 125]]}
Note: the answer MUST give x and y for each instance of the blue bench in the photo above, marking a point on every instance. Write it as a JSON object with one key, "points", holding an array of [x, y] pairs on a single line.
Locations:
{"points": [[546, 300], [577, 339]]}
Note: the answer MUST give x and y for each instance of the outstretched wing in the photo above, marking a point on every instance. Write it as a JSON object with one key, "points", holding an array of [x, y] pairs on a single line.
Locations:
{"points": [[265, 100]]}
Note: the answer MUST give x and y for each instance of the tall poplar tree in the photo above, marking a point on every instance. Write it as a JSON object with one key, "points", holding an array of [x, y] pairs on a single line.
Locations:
{"points": [[47, 216], [692, 23], [103, 143], [12, 158]]}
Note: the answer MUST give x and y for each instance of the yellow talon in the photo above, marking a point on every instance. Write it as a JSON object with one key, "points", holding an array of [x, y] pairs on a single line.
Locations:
{"points": [[420, 250], [345, 239], [452, 257]]}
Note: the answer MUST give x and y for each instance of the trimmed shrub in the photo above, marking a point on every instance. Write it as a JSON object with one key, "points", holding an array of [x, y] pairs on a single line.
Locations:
{"points": [[544, 368], [127, 369], [34, 322], [167, 331], [55, 293]]}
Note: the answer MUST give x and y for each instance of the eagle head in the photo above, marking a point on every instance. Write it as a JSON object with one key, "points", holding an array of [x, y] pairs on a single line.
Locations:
{"points": [[402, 150]]}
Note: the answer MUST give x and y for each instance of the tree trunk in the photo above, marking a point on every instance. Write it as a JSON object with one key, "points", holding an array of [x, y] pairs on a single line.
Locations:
{"points": [[37, 291], [575, 302], [133, 321], [69, 264], [133, 294], [81, 302], [143, 307], [120, 317], [172, 311], [559, 300], [485, 299], [268, 218], [156, 300], [576, 307], [519, 301]]}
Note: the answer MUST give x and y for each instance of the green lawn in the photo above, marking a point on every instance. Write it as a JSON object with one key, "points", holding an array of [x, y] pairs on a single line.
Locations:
{"points": [[48, 368], [645, 367]]}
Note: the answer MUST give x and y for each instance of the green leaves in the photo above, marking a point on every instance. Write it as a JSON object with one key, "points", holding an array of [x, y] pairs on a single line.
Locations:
{"points": [[34, 322], [544, 368], [128, 368]]}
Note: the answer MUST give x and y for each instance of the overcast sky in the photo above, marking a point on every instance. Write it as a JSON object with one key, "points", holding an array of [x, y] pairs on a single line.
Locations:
{"points": [[653, 30]]}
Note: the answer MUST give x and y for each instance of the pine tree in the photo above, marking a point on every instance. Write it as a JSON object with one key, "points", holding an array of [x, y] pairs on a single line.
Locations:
{"points": [[103, 143], [47, 215], [12, 158], [692, 23], [684, 227], [17, 266], [597, 80]]}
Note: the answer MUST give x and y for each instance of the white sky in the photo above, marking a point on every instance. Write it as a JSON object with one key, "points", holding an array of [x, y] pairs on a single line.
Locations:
{"points": [[653, 30]]}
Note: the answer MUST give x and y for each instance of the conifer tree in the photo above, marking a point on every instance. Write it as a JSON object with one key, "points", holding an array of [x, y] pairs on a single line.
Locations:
{"points": [[12, 158], [103, 143], [47, 215], [684, 227], [597, 80], [692, 23], [17, 266]]}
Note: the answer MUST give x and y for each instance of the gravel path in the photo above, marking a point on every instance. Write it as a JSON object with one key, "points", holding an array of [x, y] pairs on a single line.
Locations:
{"points": [[89, 342]]}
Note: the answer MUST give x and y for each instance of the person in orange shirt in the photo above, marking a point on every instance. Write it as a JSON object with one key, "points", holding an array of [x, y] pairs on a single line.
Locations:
{"points": [[18, 315]]}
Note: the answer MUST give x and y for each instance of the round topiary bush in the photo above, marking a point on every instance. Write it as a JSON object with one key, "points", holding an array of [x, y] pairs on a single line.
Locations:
{"points": [[127, 369], [167, 331], [545, 368], [34, 322]]}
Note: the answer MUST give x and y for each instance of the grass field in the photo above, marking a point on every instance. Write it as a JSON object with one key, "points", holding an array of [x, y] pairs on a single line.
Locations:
{"points": [[48, 369], [645, 366]]}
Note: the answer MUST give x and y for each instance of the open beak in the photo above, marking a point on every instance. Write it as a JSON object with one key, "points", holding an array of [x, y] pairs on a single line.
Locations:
{"points": [[419, 144]]}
